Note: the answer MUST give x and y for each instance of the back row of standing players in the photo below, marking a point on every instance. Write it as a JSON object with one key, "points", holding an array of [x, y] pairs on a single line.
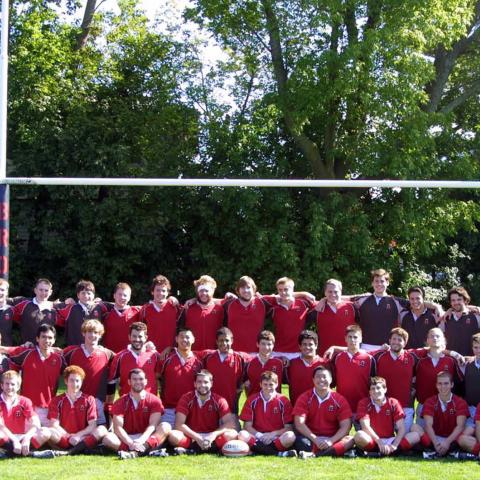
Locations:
{"points": [[193, 337]]}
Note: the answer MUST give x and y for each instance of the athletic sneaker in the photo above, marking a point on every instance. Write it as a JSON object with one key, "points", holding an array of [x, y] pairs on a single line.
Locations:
{"points": [[162, 452], [183, 451], [124, 455], [304, 455], [3, 454], [49, 453], [350, 453], [430, 455], [463, 455], [288, 453]]}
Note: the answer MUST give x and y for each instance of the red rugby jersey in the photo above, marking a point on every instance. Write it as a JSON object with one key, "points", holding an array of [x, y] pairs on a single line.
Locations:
{"points": [[117, 325], [127, 360], [445, 421], [267, 416], [382, 420], [322, 417], [246, 322], [16, 418], [202, 418], [255, 368], [299, 375], [39, 377], [203, 321], [352, 375], [136, 418], [161, 323], [177, 376], [95, 365], [73, 417]]}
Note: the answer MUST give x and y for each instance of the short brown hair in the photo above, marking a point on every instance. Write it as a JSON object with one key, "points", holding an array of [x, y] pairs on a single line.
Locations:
{"points": [[162, 281], [400, 332], [333, 281], [205, 280], [43, 280], [268, 375], [444, 373], [204, 373], [266, 335], [353, 328], [378, 381], [244, 282], [476, 338], [11, 374], [416, 289], [379, 272], [283, 281], [138, 326], [459, 291], [73, 370], [84, 285]]}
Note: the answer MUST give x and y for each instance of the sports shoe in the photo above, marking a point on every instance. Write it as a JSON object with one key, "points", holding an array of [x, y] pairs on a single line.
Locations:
{"points": [[350, 453], [49, 453], [183, 451], [304, 455], [162, 452], [124, 455], [3, 454], [463, 455], [288, 453], [430, 455]]}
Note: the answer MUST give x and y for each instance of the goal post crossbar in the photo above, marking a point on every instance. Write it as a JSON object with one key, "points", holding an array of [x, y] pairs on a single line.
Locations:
{"points": [[230, 182]]}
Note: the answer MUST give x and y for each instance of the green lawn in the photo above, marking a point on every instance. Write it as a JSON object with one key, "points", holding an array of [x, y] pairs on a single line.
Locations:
{"points": [[211, 466]]}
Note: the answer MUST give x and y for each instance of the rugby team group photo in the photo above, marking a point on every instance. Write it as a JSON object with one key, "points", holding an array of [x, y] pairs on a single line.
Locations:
{"points": [[368, 374]]}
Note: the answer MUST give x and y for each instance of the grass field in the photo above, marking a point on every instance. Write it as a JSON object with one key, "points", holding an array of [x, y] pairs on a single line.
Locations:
{"points": [[214, 467]]}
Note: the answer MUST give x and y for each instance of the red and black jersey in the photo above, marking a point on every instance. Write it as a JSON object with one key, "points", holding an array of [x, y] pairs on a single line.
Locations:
{"points": [[417, 327], [127, 360], [117, 325], [39, 375], [71, 318], [299, 375], [29, 316], [203, 321], [288, 322], [445, 414], [161, 323], [177, 376], [73, 417], [399, 372], [459, 333], [352, 375], [378, 319], [331, 324], [322, 416], [202, 417], [472, 382], [136, 416], [254, 369], [95, 365], [6, 325], [17, 417], [267, 415], [382, 418], [227, 371], [427, 370], [246, 322]]}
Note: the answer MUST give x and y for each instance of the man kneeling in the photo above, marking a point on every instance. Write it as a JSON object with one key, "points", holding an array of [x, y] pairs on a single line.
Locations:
{"points": [[268, 420], [203, 421], [136, 421], [380, 417], [19, 424]]}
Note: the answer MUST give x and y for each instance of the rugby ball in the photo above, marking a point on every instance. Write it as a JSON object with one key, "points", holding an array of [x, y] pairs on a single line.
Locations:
{"points": [[235, 448]]}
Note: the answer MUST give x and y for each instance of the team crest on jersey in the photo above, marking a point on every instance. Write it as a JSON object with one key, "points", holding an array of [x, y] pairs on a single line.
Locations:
{"points": [[331, 408], [210, 408], [82, 408], [18, 413], [149, 361], [54, 361], [452, 411], [467, 321], [49, 315], [388, 306], [345, 313], [388, 412], [361, 363], [275, 410], [273, 369], [6, 316], [145, 409]]}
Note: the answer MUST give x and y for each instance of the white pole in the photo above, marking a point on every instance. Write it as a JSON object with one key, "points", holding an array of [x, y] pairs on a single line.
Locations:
{"points": [[3, 91], [226, 182]]}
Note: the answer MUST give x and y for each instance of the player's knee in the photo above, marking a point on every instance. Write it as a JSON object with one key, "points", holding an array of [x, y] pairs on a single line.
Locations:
{"points": [[230, 434], [44, 434], [163, 429], [287, 439], [361, 438], [175, 437], [100, 432], [417, 429], [111, 441], [244, 435], [413, 437]]}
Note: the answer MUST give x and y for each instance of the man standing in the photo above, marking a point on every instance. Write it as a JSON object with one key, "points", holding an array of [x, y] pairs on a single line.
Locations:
{"points": [[203, 421], [137, 426], [323, 419]]}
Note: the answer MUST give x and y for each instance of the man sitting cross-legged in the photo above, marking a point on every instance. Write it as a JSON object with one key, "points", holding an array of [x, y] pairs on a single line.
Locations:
{"points": [[136, 421], [380, 417], [203, 421], [268, 420]]}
